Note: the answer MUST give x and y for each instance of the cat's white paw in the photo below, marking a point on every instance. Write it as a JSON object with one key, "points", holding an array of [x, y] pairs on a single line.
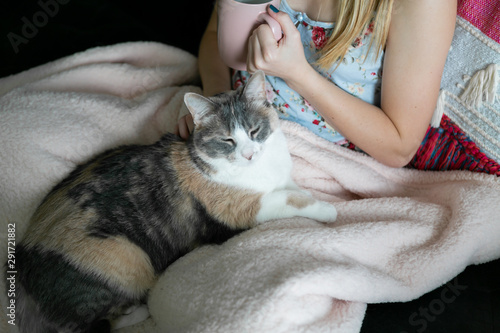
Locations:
{"points": [[326, 212], [132, 316], [320, 211]]}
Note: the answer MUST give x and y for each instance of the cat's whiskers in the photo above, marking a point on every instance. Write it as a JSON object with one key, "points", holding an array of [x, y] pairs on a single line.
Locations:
{"points": [[232, 111]]}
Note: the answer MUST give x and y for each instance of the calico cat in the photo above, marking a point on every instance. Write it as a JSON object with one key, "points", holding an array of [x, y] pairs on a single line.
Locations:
{"points": [[102, 236]]}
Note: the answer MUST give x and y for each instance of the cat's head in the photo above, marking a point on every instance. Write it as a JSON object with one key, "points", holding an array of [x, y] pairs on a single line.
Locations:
{"points": [[233, 126]]}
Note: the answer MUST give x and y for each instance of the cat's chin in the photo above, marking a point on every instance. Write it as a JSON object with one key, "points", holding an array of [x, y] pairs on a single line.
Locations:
{"points": [[234, 165], [242, 163]]}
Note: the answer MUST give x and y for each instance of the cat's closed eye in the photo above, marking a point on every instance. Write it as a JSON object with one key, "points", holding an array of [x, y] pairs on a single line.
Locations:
{"points": [[253, 133], [229, 141]]}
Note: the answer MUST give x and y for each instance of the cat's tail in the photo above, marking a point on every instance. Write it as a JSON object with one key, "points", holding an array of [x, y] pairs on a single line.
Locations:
{"points": [[31, 320], [29, 317]]}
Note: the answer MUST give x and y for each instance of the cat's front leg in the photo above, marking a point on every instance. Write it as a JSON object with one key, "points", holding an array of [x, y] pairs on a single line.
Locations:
{"points": [[289, 203], [291, 185]]}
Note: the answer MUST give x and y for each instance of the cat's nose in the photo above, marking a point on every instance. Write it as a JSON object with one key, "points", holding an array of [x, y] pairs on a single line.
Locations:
{"points": [[248, 151], [248, 155]]}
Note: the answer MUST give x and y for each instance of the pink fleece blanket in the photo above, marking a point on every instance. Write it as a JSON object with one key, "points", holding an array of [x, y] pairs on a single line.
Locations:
{"points": [[400, 233]]}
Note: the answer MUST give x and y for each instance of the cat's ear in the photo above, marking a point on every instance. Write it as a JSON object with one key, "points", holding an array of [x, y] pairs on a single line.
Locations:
{"points": [[198, 105], [255, 89]]}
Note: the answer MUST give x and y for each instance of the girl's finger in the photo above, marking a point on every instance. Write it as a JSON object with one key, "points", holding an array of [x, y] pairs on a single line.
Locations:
{"points": [[287, 26], [184, 127], [254, 53]]}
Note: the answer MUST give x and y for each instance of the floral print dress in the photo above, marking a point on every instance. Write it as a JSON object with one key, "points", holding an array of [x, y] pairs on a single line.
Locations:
{"points": [[359, 76]]}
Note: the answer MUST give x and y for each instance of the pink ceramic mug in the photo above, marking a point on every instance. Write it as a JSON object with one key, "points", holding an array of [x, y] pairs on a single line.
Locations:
{"points": [[236, 21]]}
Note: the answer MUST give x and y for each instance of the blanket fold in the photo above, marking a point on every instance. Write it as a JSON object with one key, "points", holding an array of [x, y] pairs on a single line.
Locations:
{"points": [[399, 234], [407, 233]]}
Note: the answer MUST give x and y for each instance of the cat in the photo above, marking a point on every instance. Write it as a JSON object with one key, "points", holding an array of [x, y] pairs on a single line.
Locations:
{"points": [[102, 236]]}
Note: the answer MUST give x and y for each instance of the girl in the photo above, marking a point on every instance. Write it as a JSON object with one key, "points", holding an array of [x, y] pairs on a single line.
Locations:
{"points": [[328, 76]]}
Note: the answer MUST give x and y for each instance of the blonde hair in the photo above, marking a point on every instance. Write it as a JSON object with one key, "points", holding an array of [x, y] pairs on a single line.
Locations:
{"points": [[353, 17]]}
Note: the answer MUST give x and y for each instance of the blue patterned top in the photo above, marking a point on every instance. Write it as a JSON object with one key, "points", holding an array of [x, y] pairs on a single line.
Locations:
{"points": [[355, 75]]}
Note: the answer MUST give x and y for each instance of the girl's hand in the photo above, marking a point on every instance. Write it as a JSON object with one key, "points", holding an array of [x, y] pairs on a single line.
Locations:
{"points": [[285, 58], [184, 127]]}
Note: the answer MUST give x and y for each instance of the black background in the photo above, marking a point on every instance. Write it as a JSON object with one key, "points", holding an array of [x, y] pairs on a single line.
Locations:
{"points": [[82, 24]]}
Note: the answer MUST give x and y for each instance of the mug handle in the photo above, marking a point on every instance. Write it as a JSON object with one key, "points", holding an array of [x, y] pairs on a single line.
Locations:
{"points": [[273, 24]]}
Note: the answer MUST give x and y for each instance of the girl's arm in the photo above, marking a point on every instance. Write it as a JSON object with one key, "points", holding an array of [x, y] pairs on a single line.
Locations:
{"points": [[419, 39], [215, 75]]}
